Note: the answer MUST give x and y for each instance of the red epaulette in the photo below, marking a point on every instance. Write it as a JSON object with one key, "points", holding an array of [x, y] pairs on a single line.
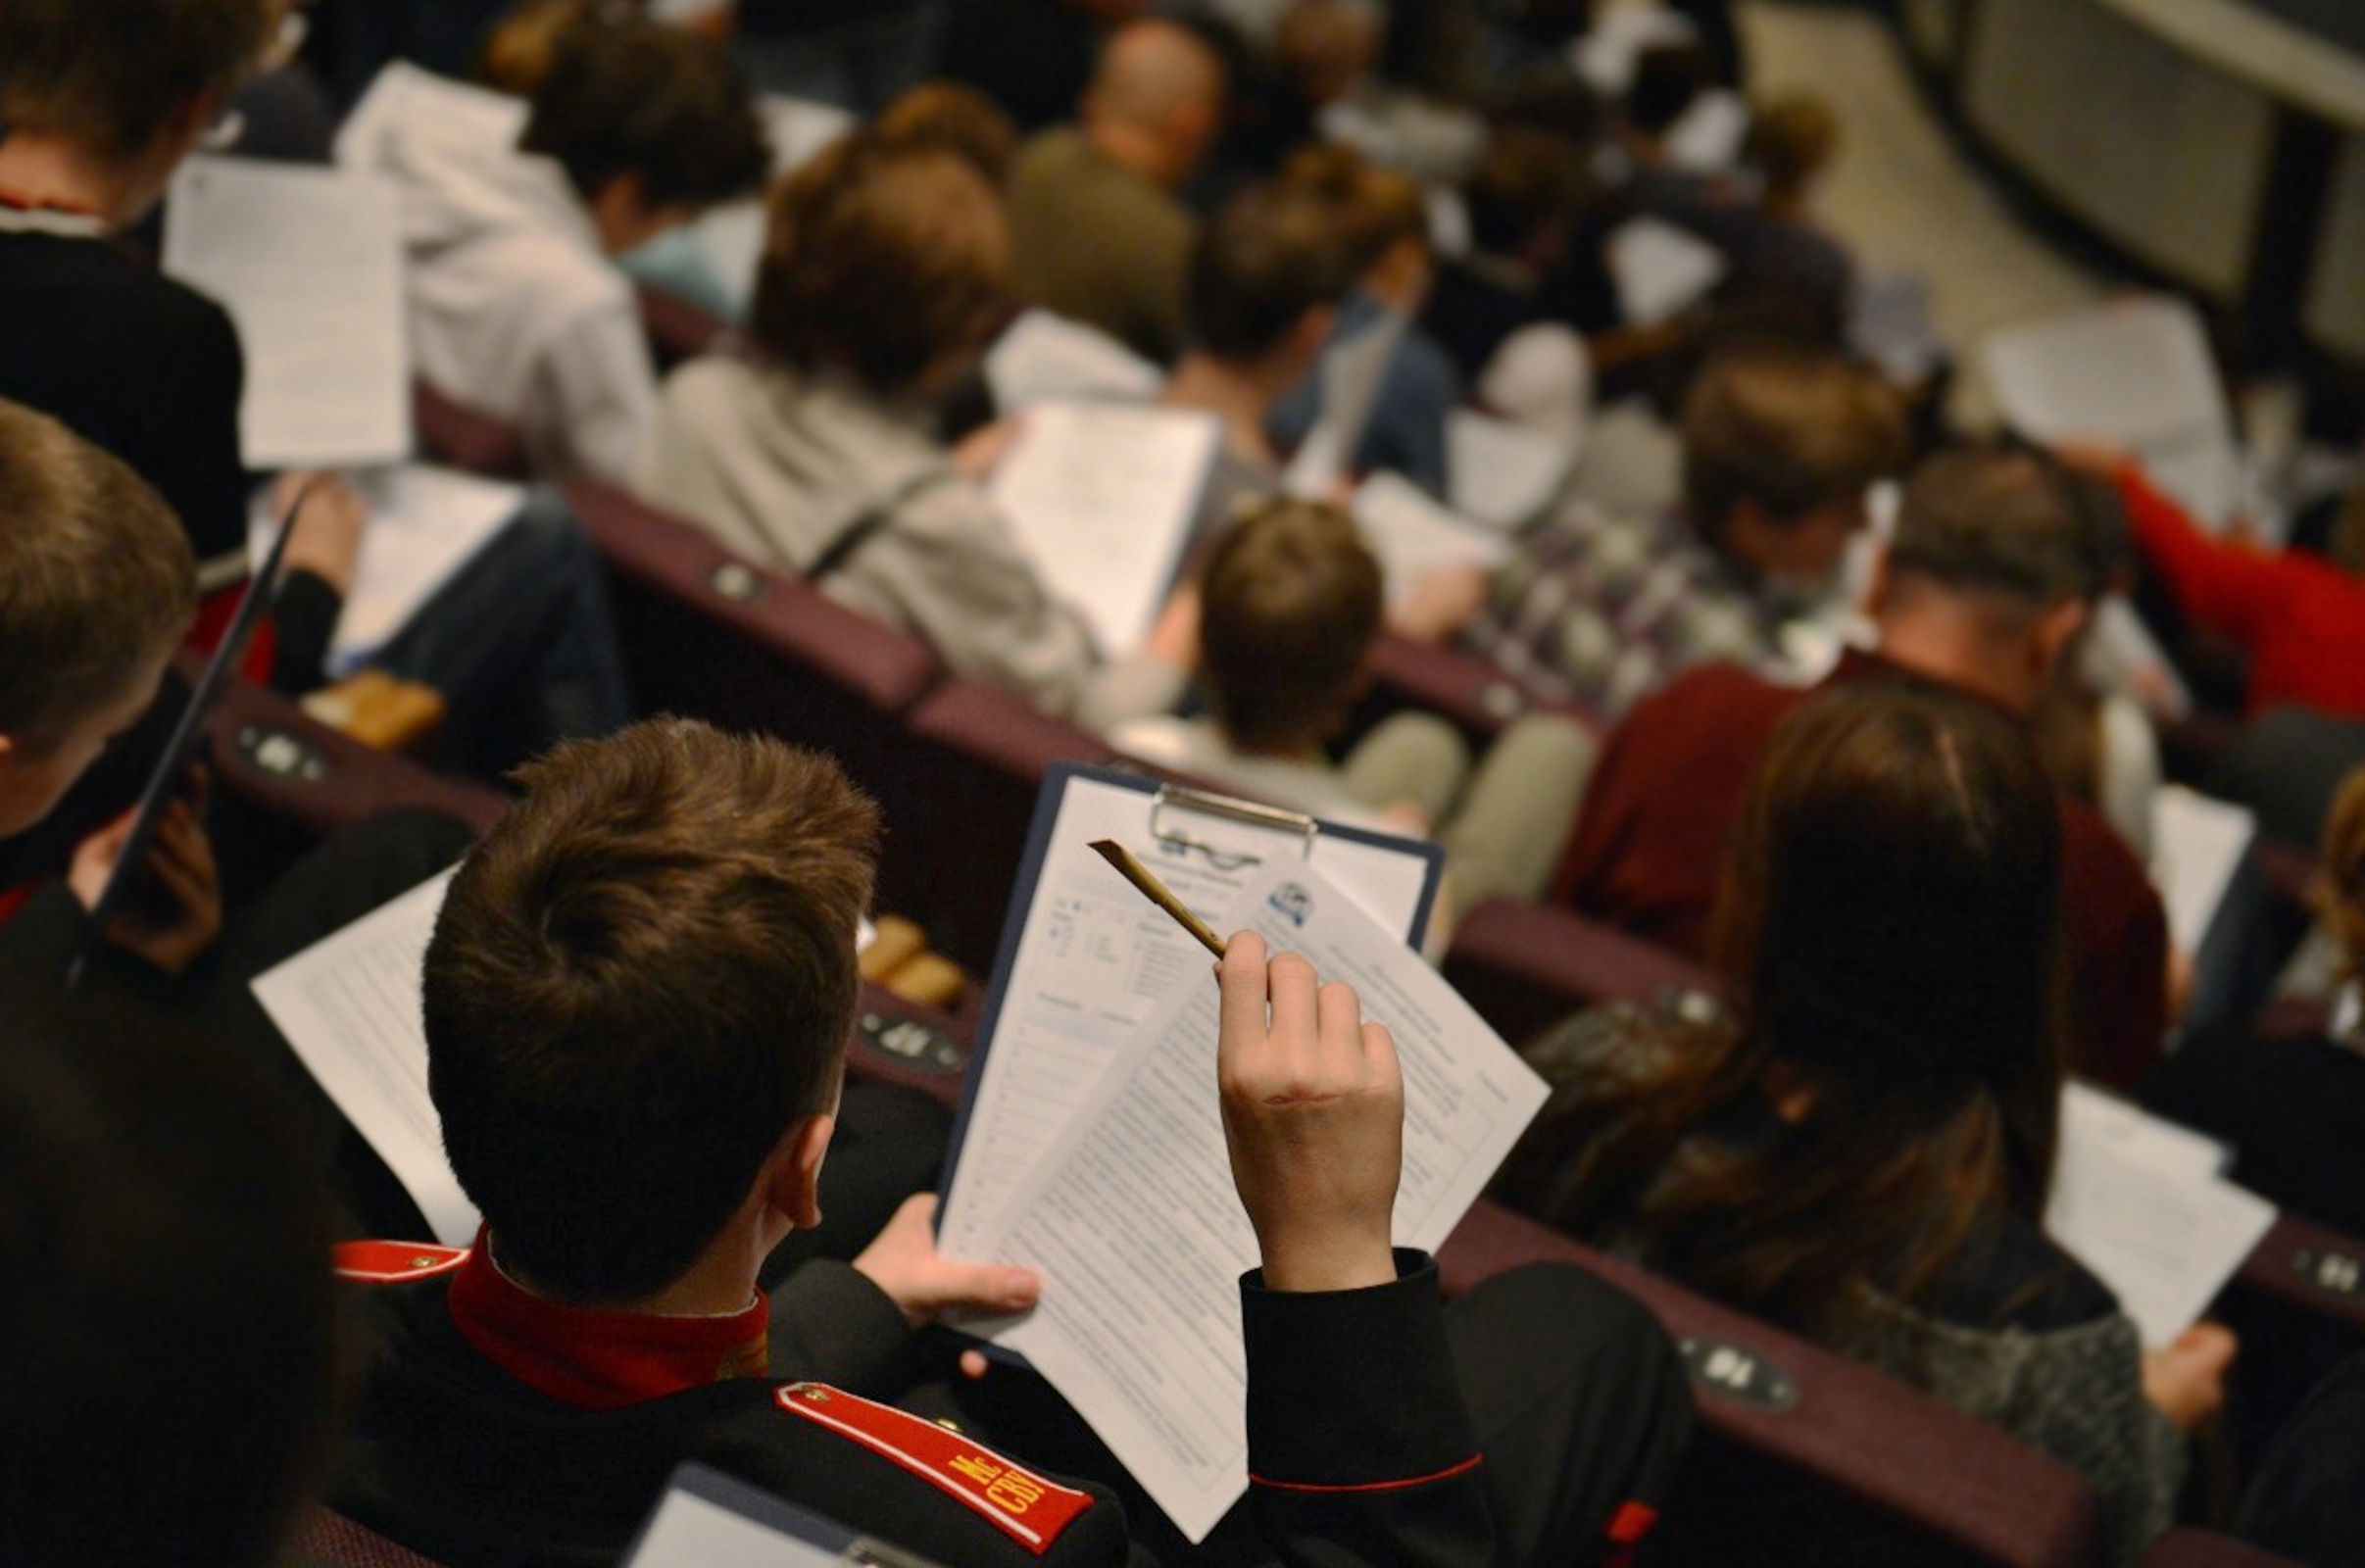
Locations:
{"points": [[1030, 1508], [396, 1262]]}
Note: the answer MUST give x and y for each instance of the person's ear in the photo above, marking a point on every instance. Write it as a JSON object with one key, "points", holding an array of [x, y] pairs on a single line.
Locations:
{"points": [[795, 1173]]}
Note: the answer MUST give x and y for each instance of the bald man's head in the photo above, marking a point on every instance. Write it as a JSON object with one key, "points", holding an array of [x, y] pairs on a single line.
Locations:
{"points": [[1156, 100]]}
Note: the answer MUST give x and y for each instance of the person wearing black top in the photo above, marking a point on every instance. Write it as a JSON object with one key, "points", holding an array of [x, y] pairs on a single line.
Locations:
{"points": [[104, 100]]}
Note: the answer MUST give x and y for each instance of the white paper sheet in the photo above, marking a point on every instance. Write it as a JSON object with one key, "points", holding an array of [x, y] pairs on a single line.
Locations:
{"points": [[1043, 357], [1709, 135], [1352, 374], [2197, 845], [1138, 1232], [349, 1006], [2139, 1204], [1095, 959], [689, 1531], [425, 526], [1414, 537], [1102, 497], [1502, 473], [1660, 271], [1605, 57], [2136, 373], [309, 264]]}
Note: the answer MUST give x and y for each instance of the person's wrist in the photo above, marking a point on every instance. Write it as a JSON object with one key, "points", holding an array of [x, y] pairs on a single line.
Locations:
{"points": [[1336, 1259]]}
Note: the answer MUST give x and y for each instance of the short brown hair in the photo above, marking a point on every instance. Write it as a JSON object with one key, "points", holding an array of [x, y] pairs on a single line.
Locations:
{"points": [[1525, 180], [1791, 139], [1291, 602], [2009, 522], [1788, 426], [883, 264], [1270, 256], [947, 117], [635, 97], [1374, 208], [96, 577], [112, 73], [641, 979]]}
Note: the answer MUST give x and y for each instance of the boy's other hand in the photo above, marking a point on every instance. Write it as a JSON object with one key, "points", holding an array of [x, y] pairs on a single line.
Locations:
{"points": [[1313, 1114], [181, 861], [903, 1262]]}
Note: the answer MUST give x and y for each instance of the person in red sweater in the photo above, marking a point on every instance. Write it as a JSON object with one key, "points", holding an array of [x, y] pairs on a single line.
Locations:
{"points": [[1986, 586], [2300, 617]]}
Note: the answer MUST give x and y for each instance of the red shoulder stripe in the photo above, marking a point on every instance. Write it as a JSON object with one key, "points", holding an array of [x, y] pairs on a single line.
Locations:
{"points": [[1023, 1505], [396, 1262]]}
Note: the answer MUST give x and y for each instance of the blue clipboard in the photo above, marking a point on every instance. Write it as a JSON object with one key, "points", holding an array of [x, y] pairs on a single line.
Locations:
{"points": [[1167, 810], [799, 1535]]}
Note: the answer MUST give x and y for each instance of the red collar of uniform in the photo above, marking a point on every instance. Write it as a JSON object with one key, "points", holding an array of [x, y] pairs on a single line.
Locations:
{"points": [[600, 1361]]}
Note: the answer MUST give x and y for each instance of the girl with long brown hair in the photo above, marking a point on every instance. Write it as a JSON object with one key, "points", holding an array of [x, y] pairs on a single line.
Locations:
{"points": [[1853, 1143]]}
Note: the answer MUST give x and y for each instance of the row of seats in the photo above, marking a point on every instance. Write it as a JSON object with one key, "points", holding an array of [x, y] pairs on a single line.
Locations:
{"points": [[1836, 1462]]}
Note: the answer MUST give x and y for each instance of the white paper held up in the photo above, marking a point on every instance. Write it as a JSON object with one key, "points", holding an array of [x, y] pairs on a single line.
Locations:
{"points": [[2141, 1204], [1139, 1233], [309, 264], [2198, 847], [1660, 271], [1102, 498], [349, 1006], [1503, 474]]}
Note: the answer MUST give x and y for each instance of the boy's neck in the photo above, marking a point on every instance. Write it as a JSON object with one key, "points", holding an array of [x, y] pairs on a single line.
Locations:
{"points": [[50, 172], [720, 1283]]}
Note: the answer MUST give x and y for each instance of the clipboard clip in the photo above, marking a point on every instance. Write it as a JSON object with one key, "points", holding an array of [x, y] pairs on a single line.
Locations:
{"points": [[1176, 799]]}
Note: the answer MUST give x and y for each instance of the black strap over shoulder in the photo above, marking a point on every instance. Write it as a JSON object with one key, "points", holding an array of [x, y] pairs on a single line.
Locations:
{"points": [[867, 523]]}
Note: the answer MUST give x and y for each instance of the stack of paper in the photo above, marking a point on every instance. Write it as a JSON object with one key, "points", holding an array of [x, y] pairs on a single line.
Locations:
{"points": [[1132, 1218], [308, 263], [2142, 1204], [2132, 373], [1102, 498]]}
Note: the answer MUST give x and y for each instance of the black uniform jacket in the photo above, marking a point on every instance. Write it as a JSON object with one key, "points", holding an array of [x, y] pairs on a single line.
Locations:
{"points": [[474, 1444]]}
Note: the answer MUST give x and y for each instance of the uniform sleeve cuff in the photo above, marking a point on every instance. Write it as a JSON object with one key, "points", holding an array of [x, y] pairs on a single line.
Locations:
{"points": [[1354, 1390]]}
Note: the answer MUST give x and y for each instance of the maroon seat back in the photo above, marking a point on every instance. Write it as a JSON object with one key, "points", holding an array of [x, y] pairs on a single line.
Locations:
{"points": [[461, 438], [329, 1539], [708, 634], [975, 757], [1804, 1457], [1466, 691], [1527, 966]]}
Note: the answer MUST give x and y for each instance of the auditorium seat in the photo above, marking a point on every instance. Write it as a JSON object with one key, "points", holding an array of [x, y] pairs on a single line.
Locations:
{"points": [[714, 636], [463, 439], [329, 1539], [678, 330], [1467, 691], [270, 752], [2199, 1549], [974, 759], [1527, 966], [1804, 1457]]}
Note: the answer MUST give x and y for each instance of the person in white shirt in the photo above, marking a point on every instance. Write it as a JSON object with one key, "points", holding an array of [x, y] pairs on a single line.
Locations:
{"points": [[512, 218]]}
